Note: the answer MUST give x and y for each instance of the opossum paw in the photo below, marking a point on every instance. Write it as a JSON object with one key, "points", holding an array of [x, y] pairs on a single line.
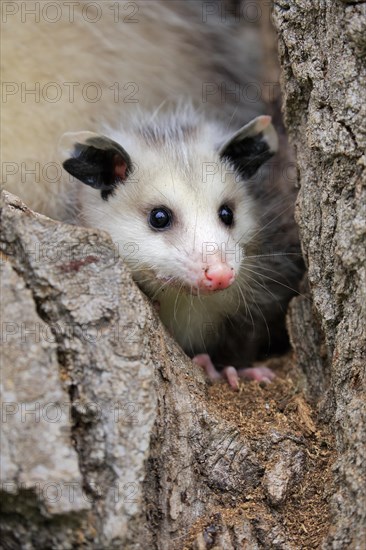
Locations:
{"points": [[260, 374], [204, 361], [231, 374]]}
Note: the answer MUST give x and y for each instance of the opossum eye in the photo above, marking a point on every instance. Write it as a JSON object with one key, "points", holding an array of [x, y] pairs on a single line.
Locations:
{"points": [[226, 215], [160, 218]]}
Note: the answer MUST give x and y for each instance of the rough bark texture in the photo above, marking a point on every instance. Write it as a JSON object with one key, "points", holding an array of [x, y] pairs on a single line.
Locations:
{"points": [[112, 438], [78, 379], [322, 48]]}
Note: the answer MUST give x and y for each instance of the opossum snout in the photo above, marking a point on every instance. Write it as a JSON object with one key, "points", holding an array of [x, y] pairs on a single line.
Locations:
{"points": [[217, 277]]}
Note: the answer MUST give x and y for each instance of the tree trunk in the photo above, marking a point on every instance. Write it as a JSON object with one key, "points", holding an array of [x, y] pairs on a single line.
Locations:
{"points": [[111, 436], [322, 48]]}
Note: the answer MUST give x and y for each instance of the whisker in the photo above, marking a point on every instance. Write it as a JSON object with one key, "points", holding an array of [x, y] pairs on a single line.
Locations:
{"points": [[247, 308], [273, 254], [175, 304], [274, 281], [258, 232]]}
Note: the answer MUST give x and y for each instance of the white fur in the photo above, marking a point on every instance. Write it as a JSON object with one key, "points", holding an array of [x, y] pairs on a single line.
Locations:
{"points": [[173, 173], [170, 53]]}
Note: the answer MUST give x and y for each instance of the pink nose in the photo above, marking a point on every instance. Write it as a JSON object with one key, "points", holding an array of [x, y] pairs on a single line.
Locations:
{"points": [[218, 277]]}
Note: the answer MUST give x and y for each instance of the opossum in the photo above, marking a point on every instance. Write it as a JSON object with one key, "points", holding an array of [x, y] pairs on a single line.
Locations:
{"points": [[93, 65], [179, 191], [179, 185]]}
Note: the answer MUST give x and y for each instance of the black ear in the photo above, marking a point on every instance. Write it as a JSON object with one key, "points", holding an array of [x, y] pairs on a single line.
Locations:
{"points": [[97, 161], [251, 146]]}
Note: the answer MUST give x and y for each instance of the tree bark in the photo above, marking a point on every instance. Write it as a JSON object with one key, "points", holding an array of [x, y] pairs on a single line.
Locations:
{"points": [[111, 436], [322, 48]]}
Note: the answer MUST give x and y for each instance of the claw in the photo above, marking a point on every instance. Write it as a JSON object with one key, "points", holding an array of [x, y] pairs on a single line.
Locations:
{"points": [[204, 360], [231, 374], [260, 374]]}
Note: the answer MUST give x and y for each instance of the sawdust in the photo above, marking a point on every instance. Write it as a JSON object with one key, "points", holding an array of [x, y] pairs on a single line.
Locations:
{"points": [[260, 413]]}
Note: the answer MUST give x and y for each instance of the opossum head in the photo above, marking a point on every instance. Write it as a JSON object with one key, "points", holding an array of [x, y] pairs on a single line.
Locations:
{"points": [[174, 198]]}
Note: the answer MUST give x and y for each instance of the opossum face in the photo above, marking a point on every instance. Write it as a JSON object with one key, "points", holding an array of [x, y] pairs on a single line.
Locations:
{"points": [[176, 206]]}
